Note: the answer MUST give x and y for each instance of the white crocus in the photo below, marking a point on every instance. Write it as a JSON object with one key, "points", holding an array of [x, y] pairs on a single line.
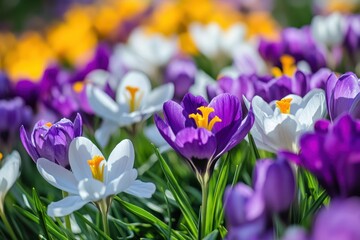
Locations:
{"points": [[279, 124], [92, 178], [144, 52], [135, 102], [328, 30], [153, 134], [214, 42], [9, 172]]}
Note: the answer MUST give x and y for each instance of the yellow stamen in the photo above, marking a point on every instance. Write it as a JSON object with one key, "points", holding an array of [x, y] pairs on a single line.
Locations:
{"points": [[1, 156], [133, 101], [78, 87], [48, 124], [288, 67], [97, 169], [284, 105], [202, 120]]}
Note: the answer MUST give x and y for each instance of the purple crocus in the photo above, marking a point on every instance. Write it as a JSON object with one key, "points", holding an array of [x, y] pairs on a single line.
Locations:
{"points": [[297, 43], [245, 214], [340, 220], [52, 140], [5, 87], [332, 154], [200, 131], [275, 181], [181, 72], [342, 95]]}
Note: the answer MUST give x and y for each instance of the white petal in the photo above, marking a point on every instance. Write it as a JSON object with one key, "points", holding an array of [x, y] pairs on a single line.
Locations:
{"points": [[283, 132], [314, 110], [80, 151], [57, 175], [133, 79], [120, 160], [121, 183], [65, 206], [156, 98], [141, 189], [9, 172], [153, 134], [206, 38], [232, 37], [98, 77], [102, 104], [103, 134], [91, 190]]}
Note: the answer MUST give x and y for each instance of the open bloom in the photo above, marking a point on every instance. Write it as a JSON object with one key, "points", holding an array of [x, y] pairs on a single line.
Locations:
{"points": [[332, 154], [9, 172], [279, 124], [51, 140], [200, 131], [342, 95], [135, 102], [92, 178]]}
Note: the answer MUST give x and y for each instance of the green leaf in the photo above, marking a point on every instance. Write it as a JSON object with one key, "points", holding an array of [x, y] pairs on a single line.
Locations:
{"points": [[180, 196], [212, 236], [40, 212], [163, 227], [93, 226]]}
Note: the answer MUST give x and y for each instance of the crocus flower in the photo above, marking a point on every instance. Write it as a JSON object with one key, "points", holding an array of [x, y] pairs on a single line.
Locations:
{"points": [[135, 102], [144, 52], [92, 178], [332, 153], [342, 95], [328, 30], [214, 42], [298, 43], [200, 131], [181, 71], [5, 89], [9, 172], [279, 124], [52, 140], [339, 221], [275, 181], [245, 214]]}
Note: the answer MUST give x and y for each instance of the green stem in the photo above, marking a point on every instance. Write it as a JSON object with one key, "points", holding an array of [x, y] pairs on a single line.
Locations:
{"points": [[67, 217], [8, 226], [103, 206], [204, 190]]}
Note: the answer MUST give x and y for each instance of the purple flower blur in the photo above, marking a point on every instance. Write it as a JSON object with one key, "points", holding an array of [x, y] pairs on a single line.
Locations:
{"points": [[339, 221], [245, 213], [342, 95], [181, 72], [201, 132], [5, 88], [14, 113], [332, 154], [52, 140], [275, 181]]}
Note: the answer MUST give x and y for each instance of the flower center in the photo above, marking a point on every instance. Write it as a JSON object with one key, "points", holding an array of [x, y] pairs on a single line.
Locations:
{"points": [[284, 105], [202, 119], [288, 67], [133, 100], [96, 165], [48, 124], [1, 156], [78, 87]]}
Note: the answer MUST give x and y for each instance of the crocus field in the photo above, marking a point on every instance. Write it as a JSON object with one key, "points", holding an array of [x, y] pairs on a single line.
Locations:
{"points": [[180, 119]]}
